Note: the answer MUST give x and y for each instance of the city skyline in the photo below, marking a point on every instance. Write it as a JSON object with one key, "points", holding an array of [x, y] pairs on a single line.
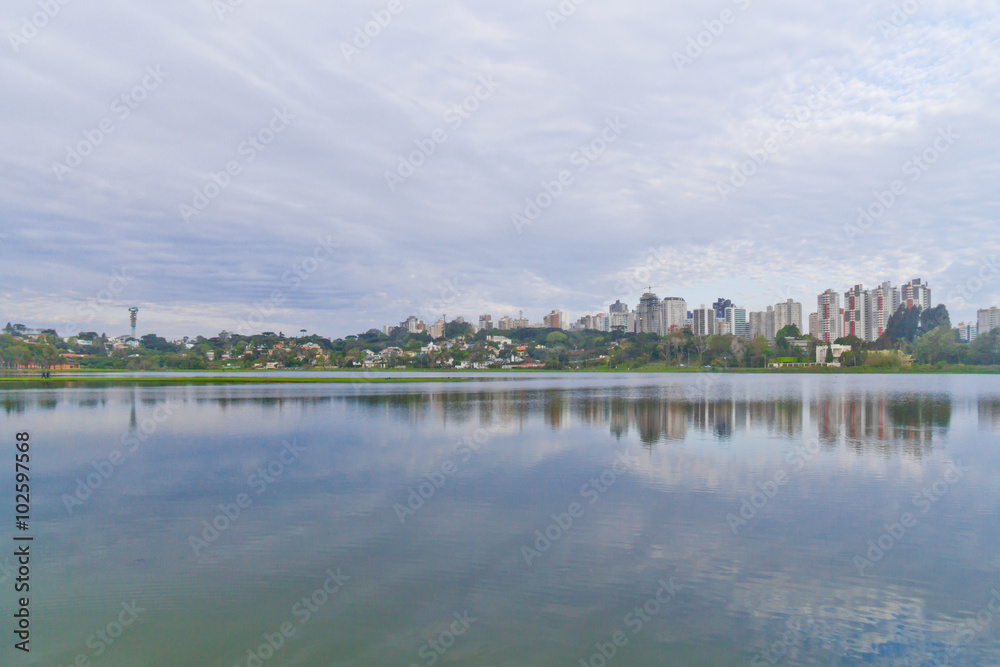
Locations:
{"points": [[864, 313], [866, 319]]}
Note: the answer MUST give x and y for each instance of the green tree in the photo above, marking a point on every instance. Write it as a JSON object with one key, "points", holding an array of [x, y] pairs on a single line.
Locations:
{"points": [[903, 325], [555, 338], [985, 350], [933, 318], [758, 351], [788, 331], [938, 345]]}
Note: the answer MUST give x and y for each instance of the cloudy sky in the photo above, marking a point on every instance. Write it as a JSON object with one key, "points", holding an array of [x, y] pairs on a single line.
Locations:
{"points": [[339, 166]]}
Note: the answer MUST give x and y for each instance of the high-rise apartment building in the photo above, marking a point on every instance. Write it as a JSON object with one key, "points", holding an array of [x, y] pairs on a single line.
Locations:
{"points": [[557, 319], [648, 317], [814, 324], [436, 330], [704, 321], [674, 310], [486, 322], [830, 322], [720, 306], [623, 320], [618, 307], [412, 324], [736, 318], [883, 302], [857, 312], [988, 320], [787, 313], [916, 293], [967, 332]]}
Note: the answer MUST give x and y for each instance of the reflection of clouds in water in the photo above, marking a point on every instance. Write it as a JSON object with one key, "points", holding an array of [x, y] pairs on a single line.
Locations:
{"points": [[368, 446], [858, 624]]}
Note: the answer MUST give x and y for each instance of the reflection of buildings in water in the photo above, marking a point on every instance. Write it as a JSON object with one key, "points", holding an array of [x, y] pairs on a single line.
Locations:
{"points": [[556, 410], [655, 418], [882, 420], [717, 417], [828, 413], [989, 414], [782, 417], [658, 420]]}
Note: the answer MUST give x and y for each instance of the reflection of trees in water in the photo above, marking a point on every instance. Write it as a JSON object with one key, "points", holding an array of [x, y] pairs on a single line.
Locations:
{"points": [[989, 414], [14, 405], [658, 414], [883, 422]]}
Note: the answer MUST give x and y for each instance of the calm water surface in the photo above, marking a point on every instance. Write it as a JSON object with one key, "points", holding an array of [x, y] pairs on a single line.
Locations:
{"points": [[695, 520]]}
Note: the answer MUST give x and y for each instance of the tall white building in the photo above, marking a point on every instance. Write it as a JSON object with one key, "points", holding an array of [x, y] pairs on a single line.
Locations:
{"points": [[674, 310], [770, 323], [764, 323], [829, 321], [704, 322], [623, 320], [412, 324], [916, 293], [786, 313], [736, 318], [857, 310], [967, 332], [883, 302], [757, 327], [988, 320]]}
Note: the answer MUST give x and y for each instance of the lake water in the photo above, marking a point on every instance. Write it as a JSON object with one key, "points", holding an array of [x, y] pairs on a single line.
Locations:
{"points": [[554, 520]]}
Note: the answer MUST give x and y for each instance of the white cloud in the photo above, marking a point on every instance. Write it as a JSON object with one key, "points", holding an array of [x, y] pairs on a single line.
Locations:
{"points": [[656, 186]]}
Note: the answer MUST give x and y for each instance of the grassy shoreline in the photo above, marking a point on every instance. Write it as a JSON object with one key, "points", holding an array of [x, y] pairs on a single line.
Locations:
{"points": [[57, 381], [237, 377]]}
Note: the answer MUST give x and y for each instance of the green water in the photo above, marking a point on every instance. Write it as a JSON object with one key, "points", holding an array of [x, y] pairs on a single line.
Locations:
{"points": [[698, 520]]}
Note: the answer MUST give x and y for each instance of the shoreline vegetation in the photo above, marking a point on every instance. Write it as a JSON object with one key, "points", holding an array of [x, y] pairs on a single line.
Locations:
{"points": [[915, 341]]}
